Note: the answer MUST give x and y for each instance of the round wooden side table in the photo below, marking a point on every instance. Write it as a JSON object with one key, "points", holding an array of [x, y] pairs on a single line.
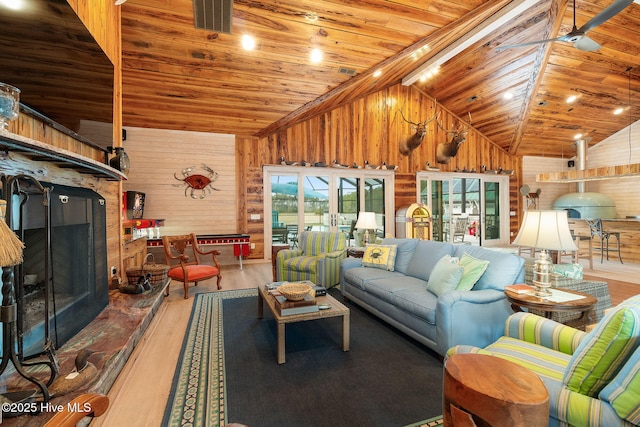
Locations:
{"points": [[483, 390], [584, 304]]}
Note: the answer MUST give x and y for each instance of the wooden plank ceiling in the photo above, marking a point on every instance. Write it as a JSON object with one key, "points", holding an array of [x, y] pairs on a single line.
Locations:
{"points": [[178, 77]]}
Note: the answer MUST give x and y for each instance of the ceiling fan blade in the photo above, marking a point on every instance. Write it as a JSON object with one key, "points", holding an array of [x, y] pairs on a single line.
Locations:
{"points": [[609, 12], [558, 39], [586, 44]]}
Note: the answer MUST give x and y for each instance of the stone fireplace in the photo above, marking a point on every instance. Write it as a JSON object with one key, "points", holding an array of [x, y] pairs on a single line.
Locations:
{"points": [[76, 270]]}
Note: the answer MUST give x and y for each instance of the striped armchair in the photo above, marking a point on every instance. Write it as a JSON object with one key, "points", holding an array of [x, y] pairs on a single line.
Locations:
{"points": [[593, 379], [317, 258]]}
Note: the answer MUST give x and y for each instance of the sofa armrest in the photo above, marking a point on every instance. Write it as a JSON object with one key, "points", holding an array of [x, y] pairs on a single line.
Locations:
{"points": [[545, 332], [470, 317], [347, 264], [288, 253], [329, 267], [342, 253]]}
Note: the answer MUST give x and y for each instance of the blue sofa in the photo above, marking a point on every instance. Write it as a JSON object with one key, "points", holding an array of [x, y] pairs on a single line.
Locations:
{"points": [[400, 297]]}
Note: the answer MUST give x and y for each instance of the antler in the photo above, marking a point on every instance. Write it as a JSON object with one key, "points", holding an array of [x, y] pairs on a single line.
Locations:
{"points": [[456, 129], [420, 124]]}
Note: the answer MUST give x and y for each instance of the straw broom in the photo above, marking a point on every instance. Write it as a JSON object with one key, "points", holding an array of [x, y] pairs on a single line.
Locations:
{"points": [[10, 246]]}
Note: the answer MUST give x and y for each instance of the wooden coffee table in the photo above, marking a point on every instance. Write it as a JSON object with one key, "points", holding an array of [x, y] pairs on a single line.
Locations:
{"points": [[584, 305], [337, 310]]}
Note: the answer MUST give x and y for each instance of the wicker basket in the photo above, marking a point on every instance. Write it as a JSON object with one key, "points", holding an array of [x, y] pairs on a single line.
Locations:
{"points": [[294, 291], [157, 272]]}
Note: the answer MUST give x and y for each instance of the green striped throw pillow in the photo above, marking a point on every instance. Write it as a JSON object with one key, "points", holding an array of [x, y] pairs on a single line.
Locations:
{"points": [[601, 355]]}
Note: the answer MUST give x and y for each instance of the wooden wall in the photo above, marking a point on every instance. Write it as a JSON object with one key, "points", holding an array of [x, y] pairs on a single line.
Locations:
{"points": [[157, 155], [102, 19], [370, 128]]}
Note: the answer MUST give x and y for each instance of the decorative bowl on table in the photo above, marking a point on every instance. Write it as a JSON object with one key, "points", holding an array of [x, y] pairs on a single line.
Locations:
{"points": [[294, 291], [9, 104]]}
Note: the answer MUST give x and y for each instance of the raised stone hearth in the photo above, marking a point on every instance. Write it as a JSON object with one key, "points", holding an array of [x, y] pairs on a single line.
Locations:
{"points": [[111, 336]]}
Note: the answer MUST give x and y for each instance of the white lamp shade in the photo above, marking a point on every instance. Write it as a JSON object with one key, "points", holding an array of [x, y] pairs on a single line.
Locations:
{"points": [[546, 230], [366, 221]]}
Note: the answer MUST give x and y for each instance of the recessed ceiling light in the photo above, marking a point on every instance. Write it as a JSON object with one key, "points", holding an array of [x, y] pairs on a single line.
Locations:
{"points": [[508, 95], [377, 73], [572, 99], [248, 42], [618, 111], [429, 73], [316, 55], [12, 4]]}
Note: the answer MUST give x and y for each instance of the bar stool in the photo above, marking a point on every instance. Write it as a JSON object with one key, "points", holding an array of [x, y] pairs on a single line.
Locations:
{"points": [[576, 254], [595, 225]]}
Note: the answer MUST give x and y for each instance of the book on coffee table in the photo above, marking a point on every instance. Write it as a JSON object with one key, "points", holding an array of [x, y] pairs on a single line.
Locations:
{"points": [[286, 307]]}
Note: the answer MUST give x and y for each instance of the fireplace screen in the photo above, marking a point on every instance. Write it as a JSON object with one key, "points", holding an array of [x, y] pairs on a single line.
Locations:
{"points": [[77, 258]]}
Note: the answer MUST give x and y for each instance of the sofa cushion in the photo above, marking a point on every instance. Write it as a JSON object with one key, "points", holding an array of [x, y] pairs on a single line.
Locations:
{"points": [[445, 276], [385, 289], [308, 264], [623, 392], [380, 256], [425, 257], [604, 351], [418, 302], [473, 269], [360, 276], [404, 252], [315, 243], [504, 269], [542, 360]]}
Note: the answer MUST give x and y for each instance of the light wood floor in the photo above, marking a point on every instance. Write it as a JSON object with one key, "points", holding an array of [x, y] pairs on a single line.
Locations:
{"points": [[140, 393]]}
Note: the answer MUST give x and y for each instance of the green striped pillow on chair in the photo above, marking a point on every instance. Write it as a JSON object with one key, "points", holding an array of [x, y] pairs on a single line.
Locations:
{"points": [[624, 391], [602, 354]]}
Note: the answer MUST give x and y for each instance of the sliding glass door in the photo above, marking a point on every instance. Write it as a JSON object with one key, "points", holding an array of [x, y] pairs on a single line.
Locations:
{"points": [[324, 199], [467, 208]]}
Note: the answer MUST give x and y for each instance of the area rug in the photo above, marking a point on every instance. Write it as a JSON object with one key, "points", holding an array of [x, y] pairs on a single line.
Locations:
{"points": [[227, 371]]}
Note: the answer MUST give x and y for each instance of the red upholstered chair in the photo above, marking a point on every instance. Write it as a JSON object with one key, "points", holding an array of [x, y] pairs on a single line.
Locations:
{"points": [[183, 268]]}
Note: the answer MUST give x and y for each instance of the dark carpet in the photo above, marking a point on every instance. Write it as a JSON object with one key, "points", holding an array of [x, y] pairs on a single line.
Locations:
{"points": [[386, 379]]}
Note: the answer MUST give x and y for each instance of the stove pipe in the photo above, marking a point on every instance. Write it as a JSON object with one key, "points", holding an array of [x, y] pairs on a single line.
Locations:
{"points": [[583, 204], [581, 162]]}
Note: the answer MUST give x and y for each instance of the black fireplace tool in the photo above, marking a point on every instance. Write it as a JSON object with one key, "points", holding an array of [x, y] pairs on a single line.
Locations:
{"points": [[10, 306]]}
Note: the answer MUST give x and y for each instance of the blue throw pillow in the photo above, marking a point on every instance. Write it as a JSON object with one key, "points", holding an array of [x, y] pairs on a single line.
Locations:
{"points": [[445, 276]]}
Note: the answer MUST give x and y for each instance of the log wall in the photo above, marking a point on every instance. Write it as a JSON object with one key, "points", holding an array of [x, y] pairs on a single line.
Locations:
{"points": [[368, 129]]}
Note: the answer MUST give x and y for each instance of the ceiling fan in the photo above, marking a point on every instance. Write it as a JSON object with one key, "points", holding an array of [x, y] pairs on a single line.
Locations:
{"points": [[577, 36]]}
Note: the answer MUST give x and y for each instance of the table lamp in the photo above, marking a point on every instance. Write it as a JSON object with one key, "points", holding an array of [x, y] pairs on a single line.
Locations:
{"points": [[545, 230], [366, 221]]}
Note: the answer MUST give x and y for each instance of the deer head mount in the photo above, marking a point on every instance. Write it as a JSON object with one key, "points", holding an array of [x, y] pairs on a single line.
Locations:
{"points": [[414, 141], [446, 151]]}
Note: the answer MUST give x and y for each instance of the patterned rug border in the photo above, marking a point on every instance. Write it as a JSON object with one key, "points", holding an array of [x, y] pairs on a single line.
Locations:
{"points": [[431, 422], [198, 393]]}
